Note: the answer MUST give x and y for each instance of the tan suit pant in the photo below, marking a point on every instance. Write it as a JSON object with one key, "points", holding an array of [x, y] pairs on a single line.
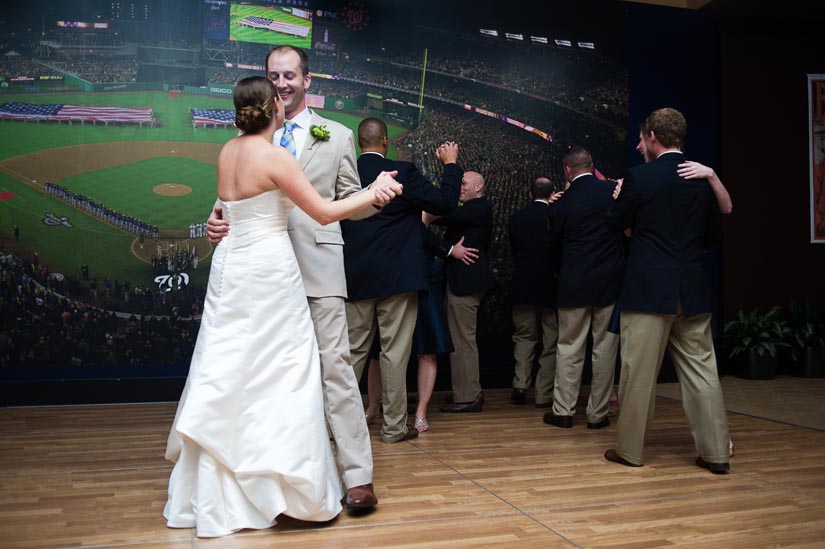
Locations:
{"points": [[462, 318], [394, 318], [645, 337], [342, 399], [574, 325], [529, 323]]}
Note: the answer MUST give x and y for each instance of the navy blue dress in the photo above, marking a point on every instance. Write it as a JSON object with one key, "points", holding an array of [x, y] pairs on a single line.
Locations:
{"points": [[432, 335]]}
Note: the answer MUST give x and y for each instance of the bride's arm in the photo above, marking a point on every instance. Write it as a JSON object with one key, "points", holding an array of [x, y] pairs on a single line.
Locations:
{"points": [[287, 175]]}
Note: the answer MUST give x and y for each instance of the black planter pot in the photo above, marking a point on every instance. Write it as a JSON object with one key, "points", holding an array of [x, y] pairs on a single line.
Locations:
{"points": [[812, 363], [753, 366]]}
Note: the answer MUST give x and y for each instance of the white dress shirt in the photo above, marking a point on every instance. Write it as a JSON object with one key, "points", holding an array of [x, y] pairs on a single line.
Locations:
{"points": [[300, 132]]}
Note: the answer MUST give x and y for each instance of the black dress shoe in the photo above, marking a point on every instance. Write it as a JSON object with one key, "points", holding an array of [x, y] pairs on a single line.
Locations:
{"points": [[409, 435], [565, 422], [715, 468], [599, 424], [464, 407], [612, 455], [518, 396], [544, 404]]}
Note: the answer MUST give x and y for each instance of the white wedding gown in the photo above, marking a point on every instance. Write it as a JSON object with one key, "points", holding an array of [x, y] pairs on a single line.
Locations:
{"points": [[249, 438]]}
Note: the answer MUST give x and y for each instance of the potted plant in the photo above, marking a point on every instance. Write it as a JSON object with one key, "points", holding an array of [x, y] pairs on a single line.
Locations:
{"points": [[806, 328], [753, 340]]}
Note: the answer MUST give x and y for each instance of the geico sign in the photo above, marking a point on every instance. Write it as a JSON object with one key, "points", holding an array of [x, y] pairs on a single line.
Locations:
{"points": [[227, 91]]}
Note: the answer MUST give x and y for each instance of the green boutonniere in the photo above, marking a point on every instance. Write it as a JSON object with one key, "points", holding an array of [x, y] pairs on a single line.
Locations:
{"points": [[319, 132]]}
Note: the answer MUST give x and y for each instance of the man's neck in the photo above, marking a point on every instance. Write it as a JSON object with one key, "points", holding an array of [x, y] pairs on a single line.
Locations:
{"points": [[377, 150], [669, 150], [296, 112], [576, 175]]}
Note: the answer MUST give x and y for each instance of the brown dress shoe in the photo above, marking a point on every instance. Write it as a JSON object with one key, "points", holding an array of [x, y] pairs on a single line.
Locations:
{"points": [[612, 455], [409, 435], [518, 396], [464, 407], [361, 497], [715, 468], [565, 422]]}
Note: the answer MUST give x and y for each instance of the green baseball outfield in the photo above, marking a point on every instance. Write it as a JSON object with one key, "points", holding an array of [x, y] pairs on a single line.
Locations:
{"points": [[163, 175]]}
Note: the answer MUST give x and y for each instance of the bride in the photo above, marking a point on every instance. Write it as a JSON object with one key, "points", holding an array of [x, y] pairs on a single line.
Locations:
{"points": [[249, 440]]}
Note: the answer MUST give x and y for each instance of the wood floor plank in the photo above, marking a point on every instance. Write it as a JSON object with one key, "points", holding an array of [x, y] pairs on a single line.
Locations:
{"points": [[86, 476], [769, 518], [515, 530]]}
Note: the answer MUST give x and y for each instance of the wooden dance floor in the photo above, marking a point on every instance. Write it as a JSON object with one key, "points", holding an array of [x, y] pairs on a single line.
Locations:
{"points": [[95, 477]]}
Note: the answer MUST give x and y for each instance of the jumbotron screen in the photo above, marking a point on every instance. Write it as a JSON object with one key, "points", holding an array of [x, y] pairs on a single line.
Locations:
{"points": [[270, 24]]}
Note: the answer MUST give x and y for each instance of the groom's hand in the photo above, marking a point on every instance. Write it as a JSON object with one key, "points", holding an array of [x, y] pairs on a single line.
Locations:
{"points": [[216, 226]]}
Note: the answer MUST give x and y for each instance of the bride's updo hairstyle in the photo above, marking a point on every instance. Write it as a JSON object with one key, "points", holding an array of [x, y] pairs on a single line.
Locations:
{"points": [[254, 99]]}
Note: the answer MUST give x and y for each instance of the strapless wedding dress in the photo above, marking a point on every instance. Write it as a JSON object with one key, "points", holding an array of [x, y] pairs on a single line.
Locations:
{"points": [[249, 439]]}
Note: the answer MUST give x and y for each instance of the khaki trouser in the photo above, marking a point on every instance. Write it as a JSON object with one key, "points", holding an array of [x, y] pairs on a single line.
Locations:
{"points": [[342, 399], [574, 325], [645, 337], [527, 322], [462, 317], [394, 318]]}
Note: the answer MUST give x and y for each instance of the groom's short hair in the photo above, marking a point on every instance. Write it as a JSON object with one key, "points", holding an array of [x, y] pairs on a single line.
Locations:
{"points": [[302, 55], [371, 132]]}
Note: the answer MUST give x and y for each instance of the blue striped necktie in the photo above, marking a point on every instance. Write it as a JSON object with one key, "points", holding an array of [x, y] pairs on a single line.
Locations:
{"points": [[287, 139]]}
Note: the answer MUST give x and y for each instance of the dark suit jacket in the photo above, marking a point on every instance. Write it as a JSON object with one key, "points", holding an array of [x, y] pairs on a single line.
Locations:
{"points": [[383, 254], [592, 253], [673, 220], [534, 281], [473, 221]]}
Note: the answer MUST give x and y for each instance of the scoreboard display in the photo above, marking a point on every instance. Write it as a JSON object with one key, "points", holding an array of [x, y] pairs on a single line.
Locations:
{"points": [[275, 22]]}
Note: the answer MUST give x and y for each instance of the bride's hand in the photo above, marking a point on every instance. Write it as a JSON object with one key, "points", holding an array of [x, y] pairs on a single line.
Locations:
{"points": [[385, 188], [280, 113]]}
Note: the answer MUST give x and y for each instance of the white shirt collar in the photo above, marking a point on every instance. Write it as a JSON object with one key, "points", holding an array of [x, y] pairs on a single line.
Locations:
{"points": [[303, 118], [670, 151], [372, 152], [580, 175], [300, 132]]}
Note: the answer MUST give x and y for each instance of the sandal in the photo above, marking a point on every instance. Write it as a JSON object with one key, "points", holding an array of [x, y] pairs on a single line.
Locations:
{"points": [[370, 417], [421, 424]]}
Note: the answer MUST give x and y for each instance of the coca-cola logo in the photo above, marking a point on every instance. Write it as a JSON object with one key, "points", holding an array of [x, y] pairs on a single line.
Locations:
{"points": [[355, 16]]}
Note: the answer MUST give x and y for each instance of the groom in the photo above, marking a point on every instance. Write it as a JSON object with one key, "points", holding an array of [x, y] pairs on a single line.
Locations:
{"points": [[327, 158]]}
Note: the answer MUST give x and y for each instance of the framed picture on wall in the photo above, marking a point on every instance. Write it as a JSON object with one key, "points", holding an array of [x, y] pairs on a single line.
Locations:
{"points": [[816, 137]]}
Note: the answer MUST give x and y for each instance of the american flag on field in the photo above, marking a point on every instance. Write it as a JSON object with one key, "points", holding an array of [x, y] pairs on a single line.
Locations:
{"points": [[203, 117], [30, 111]]}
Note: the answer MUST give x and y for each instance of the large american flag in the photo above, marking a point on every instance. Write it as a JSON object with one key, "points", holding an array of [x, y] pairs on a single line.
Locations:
{"points": [[204, 117], [30, 111]]}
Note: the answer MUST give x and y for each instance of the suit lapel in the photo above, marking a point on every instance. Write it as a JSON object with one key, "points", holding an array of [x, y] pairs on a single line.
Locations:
{"points": [[311, 145]]}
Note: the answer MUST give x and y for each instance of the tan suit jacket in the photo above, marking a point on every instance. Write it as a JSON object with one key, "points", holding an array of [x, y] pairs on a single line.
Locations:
{"points": [[331, 168]]}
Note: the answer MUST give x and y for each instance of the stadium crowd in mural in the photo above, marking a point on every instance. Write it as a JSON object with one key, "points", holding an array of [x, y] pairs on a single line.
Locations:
{"points": [[491, 95]]}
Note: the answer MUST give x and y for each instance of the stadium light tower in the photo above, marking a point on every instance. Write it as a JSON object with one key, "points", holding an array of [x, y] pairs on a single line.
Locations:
{"points": [[421, 91]]}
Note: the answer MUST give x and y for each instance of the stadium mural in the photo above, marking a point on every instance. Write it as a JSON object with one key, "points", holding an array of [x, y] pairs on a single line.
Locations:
{"points": [[816, 128], [107, 172]]}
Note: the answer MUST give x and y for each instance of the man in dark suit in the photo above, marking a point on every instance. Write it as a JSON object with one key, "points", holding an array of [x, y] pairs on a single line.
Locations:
{"points": [[385, 268], [592, 259], [666, 300], [468, 278], [533, 292]]}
